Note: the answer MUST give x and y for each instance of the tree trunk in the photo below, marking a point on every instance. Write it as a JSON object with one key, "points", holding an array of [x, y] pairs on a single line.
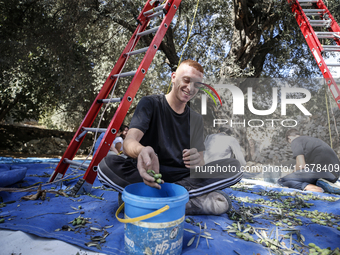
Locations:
{"points": [[252, 40], [249, 46]]}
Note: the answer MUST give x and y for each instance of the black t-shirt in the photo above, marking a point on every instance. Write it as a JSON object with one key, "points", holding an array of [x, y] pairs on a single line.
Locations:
{"points": [[168, 132], [316, 152]]}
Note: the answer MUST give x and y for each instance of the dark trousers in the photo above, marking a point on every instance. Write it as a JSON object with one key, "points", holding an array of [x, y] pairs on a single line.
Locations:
{"points": [[301, 178], [117, 172]]}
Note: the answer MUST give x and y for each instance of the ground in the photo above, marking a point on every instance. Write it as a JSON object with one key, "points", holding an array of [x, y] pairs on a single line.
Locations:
{"points": [[14, 138]]}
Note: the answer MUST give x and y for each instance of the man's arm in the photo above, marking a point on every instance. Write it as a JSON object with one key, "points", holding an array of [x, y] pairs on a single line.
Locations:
{"points": [[114, 149], [131, 144], [300, 162], [146, 156], [236, 149]]}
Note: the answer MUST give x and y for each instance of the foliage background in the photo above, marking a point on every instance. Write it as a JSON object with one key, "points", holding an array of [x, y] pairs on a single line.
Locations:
{"points": [[56, 54]]}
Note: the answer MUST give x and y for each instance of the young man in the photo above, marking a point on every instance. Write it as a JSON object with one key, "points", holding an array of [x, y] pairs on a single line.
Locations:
{"points": [[317, 165], [166, 136]]}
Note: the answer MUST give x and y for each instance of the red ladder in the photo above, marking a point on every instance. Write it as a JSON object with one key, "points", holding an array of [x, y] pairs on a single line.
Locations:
{"points": [[305, 18], [151, 10]]}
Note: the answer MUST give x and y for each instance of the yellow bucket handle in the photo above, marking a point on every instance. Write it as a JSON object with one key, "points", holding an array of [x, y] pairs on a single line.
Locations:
{"points": [[144, 217]]}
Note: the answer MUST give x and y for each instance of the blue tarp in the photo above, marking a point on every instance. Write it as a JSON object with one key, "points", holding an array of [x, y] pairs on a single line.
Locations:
{"points": [[32, 160], [11, 174], [43, 218]]}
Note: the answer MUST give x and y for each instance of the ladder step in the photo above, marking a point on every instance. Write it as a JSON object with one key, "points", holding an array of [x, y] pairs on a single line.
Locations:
{"points": [[154, 10], [75, 163], [313, 10], [310, 12], [99, 130], [131, 73], [327, 34], [85, 130], [112, 100], [320, 23], [333, 64], [156, 14], [331, 47], [307, 2], [137, 51], [146, 32]]}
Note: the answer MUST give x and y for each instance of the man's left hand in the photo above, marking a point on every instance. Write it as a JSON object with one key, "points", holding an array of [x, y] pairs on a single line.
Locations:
{"points": [[192, 158]]}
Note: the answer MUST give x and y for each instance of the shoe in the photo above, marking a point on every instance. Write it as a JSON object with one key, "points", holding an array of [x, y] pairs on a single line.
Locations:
{"points": [[213, 203], [328, 186]]}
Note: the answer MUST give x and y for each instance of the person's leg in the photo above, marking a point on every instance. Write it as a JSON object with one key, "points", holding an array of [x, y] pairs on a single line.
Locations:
{"points": [[205, 194], [327, 183], [305, 180], [297, 180], [202, 183], [117, 172]]}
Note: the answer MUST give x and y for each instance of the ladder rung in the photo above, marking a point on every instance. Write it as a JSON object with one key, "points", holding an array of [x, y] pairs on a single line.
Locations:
{"points": [[308, 1], [313, 10], [156, 14], [75, 163], [112, 100], [85, 130], [320, 23], [331, 47], [137, 51], [146, 32], [99, 130], [131, 73], [327, 34], [154, 10], [333, 64], [312, 13], [80, 136]]}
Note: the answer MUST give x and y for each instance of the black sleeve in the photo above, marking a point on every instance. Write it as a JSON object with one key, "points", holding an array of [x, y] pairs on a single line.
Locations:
{"points": [[142, 115], [297, 148], [196, 135]]}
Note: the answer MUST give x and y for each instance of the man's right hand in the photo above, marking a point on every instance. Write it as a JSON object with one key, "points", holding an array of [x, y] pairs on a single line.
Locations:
{"points": [[147, 159]]}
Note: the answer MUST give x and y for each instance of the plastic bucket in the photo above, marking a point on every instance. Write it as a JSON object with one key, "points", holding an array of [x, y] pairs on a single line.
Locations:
{"points": [[154, 219]]}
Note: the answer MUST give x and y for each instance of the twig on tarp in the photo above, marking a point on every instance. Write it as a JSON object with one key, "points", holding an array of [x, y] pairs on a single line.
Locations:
{"points": [[32, 188], [15, 189], [42, 194], [44, 214]]}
